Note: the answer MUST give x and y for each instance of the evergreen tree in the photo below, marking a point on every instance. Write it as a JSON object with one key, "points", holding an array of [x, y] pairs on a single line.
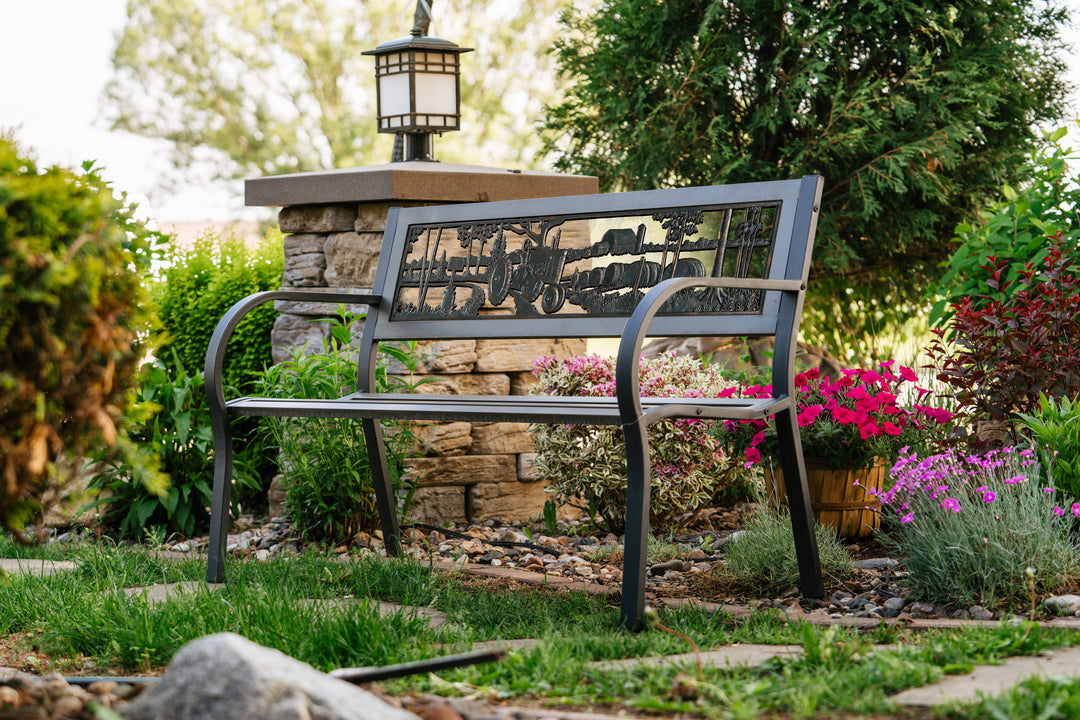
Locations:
{"points": [[915, 113]]}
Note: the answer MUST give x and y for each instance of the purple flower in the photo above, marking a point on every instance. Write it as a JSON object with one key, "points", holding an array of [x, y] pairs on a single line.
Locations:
{"points": [[989, 496], [1059, 511], [907, 518]]}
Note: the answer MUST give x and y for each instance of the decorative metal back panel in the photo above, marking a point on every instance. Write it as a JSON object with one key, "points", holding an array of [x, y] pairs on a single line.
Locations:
{"points": [[582, 266], [510, 269]]}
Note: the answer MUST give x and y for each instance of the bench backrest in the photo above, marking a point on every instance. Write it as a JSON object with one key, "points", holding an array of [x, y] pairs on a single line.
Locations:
{"points": [[577, 266]]}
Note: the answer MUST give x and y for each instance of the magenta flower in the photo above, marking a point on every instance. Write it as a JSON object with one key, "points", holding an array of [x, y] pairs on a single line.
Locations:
{"points": [[907, 518], [1059, 511], [863, 415], [809, 415], [951, 504], [989, 496]]}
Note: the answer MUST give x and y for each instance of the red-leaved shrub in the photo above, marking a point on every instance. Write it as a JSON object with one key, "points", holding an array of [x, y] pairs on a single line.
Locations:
{"points": [[1005, 347]]}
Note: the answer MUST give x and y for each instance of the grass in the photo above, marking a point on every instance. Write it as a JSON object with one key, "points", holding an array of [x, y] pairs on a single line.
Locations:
{"points": [[763, 563], [82, 622]]}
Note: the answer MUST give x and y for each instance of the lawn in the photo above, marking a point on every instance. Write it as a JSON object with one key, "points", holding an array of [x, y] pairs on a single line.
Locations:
{"points": [[82, 622]]}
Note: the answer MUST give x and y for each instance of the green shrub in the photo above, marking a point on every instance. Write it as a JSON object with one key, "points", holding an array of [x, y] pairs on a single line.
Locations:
{"points": [[73, 317], [762, 561], [199, 284], [173, 421], [327, 475], [589, 461], [970, 526], [1013, 231], [195, 289], [1054, 429]]}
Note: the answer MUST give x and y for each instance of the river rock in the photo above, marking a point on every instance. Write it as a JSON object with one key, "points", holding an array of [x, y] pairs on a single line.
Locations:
{"points": [[1063, 604]]}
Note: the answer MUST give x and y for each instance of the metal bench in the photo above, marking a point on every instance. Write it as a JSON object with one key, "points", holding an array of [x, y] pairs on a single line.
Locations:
{"points": [[719, 260]]}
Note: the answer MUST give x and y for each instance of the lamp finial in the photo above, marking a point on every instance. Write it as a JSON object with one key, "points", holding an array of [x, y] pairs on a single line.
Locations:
{"points": [[422, 18]]}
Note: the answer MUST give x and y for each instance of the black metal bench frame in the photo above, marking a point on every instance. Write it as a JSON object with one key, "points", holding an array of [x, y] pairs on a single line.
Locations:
{"points": [[535, 277]]}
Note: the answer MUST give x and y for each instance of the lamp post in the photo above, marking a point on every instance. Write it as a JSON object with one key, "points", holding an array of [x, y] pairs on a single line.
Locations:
{"points": [[418, 87]]}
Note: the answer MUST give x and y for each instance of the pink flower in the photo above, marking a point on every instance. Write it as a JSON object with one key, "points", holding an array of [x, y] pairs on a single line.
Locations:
{"points": [[908, 374], [891, 428], [869, 430], [907, 518], [1016, 479], [753, 455], [809, 415], [857, 393], [886, 398], [844, 416], [1059, 511], [951, 504], [989, 496]]}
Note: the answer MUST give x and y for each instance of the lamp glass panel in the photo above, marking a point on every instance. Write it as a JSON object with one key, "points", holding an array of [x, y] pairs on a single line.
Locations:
{"points": [[394, 94], [436, 93]]}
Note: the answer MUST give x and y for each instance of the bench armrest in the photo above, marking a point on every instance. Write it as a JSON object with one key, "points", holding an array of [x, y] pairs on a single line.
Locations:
{"points": [[215, 351], [627, 384]]}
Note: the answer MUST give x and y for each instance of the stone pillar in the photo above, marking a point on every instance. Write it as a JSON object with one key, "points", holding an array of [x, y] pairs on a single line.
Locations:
{"points": [[334, 224]]}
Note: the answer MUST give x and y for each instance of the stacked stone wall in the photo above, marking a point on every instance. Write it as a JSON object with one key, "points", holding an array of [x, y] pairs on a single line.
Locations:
{"points": [[466, 472]]}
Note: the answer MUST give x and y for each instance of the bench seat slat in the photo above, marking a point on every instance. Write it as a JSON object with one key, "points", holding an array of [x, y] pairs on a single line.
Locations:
{"points": [[523, 408]]}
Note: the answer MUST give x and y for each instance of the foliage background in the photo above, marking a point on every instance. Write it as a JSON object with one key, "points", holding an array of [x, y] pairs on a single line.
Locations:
{"points": [[195, 288], [264, 87]]}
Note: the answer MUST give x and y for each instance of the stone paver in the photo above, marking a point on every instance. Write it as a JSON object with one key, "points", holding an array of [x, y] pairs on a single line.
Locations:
{"points": [[993, 679], [35, 567], [744, 654], [162, 592], [435, 618], [518, 644]]}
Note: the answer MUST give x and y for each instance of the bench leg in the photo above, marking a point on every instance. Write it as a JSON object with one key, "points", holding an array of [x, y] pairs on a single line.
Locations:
{"points": [[219, 504], [802, 516], [636, 542], [384, 489]]}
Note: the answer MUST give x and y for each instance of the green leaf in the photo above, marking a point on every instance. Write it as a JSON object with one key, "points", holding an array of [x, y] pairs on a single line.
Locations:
{"points": [[170, 500]]}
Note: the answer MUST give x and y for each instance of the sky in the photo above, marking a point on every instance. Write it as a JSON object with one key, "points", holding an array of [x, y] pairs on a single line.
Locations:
{"points": [[55, 60]]}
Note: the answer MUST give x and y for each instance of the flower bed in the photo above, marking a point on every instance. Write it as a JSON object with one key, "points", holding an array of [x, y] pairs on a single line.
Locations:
{"points": [[862, 416]]}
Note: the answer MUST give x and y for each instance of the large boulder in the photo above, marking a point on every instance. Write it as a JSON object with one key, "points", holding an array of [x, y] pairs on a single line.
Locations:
{"points": [[228, 676]]}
